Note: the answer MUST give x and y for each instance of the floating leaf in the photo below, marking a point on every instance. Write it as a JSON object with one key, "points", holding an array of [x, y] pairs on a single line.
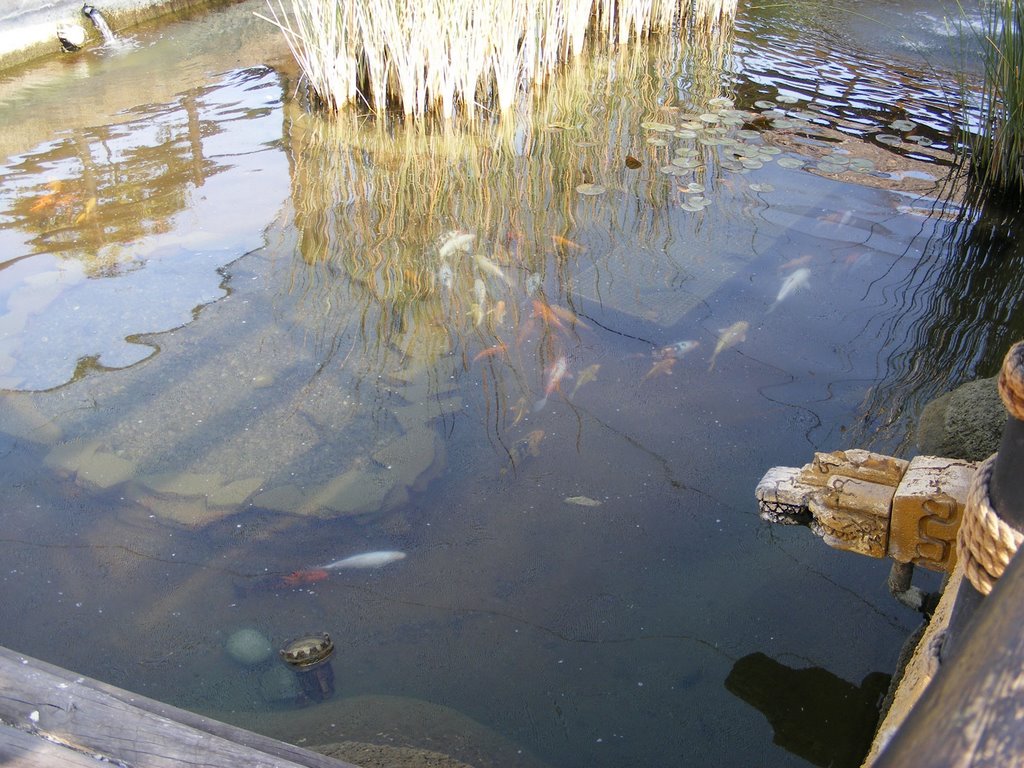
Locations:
{"points": [[686, 133], [888, 138], [747, 134], [785, 98], [709, 117], [762, 104], [762, 188], [656, 141], [720, 101], [591, 189], [583, 501], [902, 125], [791, 162], [632, 162]]}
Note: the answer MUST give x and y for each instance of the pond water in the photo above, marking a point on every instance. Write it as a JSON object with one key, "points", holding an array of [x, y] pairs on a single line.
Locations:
{"points": [[239, 342]]}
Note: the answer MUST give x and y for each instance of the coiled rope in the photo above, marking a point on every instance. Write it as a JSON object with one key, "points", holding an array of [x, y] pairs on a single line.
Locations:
{"points": [[985, 542]]}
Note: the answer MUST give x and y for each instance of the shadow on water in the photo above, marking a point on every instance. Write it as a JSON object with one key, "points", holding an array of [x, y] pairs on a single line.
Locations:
{"points": [[815, 714]]}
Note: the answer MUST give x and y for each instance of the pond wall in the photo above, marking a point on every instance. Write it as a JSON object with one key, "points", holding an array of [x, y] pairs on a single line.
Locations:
{"points": [[28, 28]]}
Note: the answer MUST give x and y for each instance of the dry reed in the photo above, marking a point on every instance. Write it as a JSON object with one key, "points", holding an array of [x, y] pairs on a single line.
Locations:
{"points": [[447, 54]]}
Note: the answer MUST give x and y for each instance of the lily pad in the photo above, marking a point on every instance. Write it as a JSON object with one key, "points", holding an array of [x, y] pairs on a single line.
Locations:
{"points": [[591, 190], [762, 104], [762, 188], [902, 125], [791, 162], [888, 138]]}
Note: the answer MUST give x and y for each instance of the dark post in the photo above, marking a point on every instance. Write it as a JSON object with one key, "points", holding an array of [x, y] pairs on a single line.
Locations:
{"points": [[970, 712], [1006, 488]]}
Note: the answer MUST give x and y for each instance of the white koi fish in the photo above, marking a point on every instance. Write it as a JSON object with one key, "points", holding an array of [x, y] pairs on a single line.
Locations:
{"points": [[456, 241], [366, 560], [799, 279], [676, 350]]}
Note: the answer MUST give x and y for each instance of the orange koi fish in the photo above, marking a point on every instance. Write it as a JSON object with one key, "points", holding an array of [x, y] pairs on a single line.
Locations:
{"points": [[568, 315], [799, 261], [547, 316], [498, 349], [304, 578], [564, 242]]}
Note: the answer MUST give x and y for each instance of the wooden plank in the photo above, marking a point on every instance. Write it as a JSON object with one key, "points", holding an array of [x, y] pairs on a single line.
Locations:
{"points": [[38, 697], [23, 750]]}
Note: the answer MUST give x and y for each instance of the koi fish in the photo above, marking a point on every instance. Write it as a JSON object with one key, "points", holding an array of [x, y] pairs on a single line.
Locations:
{"points": [[568, 315], [564, 242], [547, 316], [90, 206], [366, 560], [456, 241], [479, 307], [676, 350], [523, 449], [302, 578], [663, 366], [499, 312], [586, 376], [799, 279], [498, 349], [488, 266], [729, 337], [799, 261], [554, 374]]}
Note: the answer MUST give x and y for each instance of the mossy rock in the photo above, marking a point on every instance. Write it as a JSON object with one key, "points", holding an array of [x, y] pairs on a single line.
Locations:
{"points": [[966, 423]]}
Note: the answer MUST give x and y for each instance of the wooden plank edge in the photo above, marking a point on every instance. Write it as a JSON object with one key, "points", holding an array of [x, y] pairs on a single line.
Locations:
{"points": [[36, 696]]}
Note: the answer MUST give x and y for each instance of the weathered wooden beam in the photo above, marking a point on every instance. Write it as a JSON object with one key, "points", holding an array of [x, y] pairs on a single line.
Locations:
{"points": [[50, 704], [24, 750]]}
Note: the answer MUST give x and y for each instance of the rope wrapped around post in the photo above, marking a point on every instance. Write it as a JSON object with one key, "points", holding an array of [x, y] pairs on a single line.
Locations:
{"points": [[985, 542]]}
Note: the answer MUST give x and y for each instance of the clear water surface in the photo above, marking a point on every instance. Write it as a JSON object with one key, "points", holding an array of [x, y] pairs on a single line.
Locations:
{"points": [[239, 342]]}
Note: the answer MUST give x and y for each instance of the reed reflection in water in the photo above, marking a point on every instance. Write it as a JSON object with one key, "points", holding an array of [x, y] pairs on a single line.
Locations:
{"points": [[463, 242]]}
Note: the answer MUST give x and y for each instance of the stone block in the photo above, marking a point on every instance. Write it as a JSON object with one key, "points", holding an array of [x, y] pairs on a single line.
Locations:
{"points": [[853, 515], [926, 511]]}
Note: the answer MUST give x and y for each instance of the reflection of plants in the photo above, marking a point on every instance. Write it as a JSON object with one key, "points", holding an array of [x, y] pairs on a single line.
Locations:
{"points": [[997, 147], [99, 206], [456, 241], [444, 53]]}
